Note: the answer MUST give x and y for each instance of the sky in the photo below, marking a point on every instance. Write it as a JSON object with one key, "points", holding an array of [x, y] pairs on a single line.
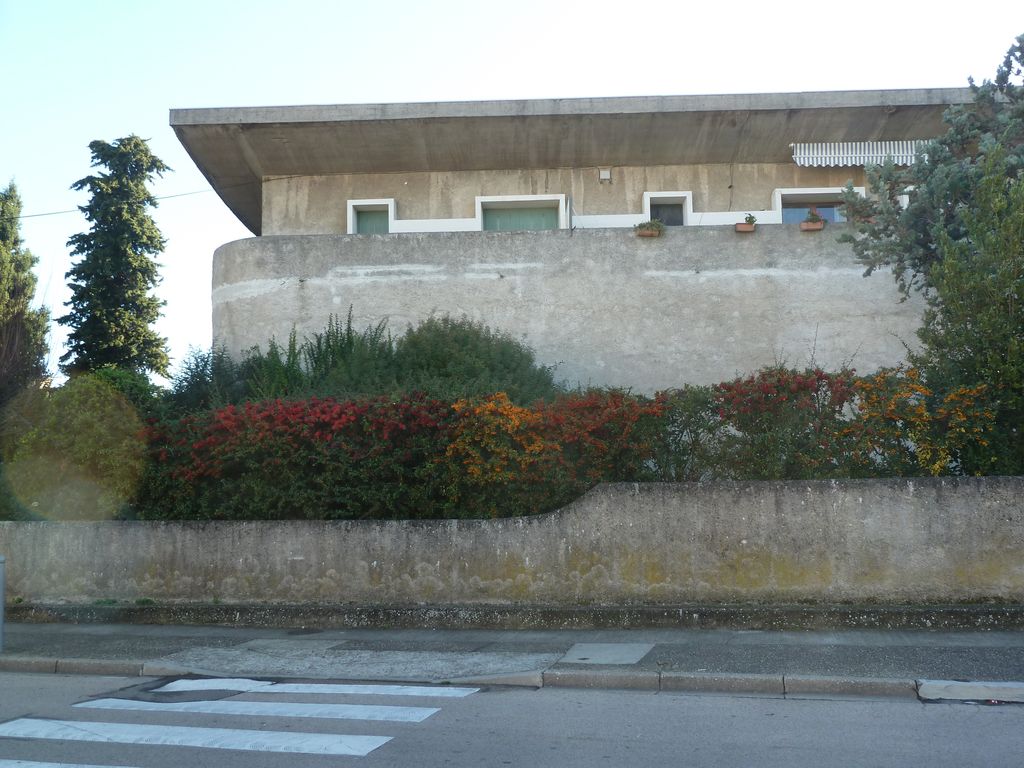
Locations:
{"points": [[79, 70]]}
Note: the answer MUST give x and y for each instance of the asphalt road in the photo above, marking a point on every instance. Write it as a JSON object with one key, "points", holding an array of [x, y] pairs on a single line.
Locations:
{"points": [[442, 726]]}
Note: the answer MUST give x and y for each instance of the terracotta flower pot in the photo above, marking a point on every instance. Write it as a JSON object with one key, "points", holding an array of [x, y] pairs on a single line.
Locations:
{"points": [[743, 226], [648, 233], [811, 226]]}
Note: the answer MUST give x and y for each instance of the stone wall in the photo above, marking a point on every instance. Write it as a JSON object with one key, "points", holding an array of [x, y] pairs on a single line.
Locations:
{"points": [[873, 541], [698, 305]]}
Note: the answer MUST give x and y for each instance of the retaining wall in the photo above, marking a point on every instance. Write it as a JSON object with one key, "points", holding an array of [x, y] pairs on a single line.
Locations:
{"points": [[908, 541], [698, 305]]}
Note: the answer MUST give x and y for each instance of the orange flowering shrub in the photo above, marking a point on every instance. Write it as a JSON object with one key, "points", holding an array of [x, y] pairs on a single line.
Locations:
{"points": [[901, 429], [508, 460]]}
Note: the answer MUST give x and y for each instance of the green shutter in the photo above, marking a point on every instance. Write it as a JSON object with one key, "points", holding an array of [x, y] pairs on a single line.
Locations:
{"points": [[517, 219], [371, 222]]}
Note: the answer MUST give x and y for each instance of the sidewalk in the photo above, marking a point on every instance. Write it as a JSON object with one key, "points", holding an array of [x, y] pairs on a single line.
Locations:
{"points": [[842, 663]]}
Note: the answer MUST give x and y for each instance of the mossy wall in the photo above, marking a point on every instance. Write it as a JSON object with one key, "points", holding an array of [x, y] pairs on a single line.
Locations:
{"points": [[888, 541]]}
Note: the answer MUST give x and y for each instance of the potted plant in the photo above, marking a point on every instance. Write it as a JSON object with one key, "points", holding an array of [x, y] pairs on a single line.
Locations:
{"points": [[813, 222], [748, 223], [652, 228]]}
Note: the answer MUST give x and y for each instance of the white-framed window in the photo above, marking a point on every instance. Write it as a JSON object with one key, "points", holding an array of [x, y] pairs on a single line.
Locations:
{"points": [[796, 203], [673, 209], [371, 217], [519, 213]]}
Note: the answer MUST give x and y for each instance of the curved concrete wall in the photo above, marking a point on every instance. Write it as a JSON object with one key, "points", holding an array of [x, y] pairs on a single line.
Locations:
{"points": [[935, 541], [698, 305]]}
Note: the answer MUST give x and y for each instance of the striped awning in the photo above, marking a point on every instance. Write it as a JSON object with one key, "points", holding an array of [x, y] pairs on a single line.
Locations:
{"points": [[841, 153]]}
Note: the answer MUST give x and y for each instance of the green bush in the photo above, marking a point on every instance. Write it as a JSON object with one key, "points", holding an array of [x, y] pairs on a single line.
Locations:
{"points": [[452, 359], [75, 452], [688, 439], [441, 357]]}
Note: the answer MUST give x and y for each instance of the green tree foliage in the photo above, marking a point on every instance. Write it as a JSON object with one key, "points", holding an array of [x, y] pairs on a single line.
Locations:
{"points": [[940, 186], [22, 329], [959, 239], [973, 332], [74, 452], [112, 309]]}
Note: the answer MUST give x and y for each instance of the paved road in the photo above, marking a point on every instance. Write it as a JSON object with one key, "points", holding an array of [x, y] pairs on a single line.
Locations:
{"points": [[43, 718]]}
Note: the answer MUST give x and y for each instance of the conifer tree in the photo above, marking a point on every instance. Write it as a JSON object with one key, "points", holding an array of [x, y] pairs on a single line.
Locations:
{"points": [[22, 329], [112, 307]]}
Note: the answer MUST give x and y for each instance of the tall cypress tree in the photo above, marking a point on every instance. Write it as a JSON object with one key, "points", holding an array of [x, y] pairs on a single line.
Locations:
{"points": [[112, 308], [22, 329]]}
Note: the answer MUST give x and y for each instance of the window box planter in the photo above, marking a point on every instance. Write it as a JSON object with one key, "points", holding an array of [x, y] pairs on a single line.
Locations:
{"points": [[811, 226], [743, 226], [652, 228]]}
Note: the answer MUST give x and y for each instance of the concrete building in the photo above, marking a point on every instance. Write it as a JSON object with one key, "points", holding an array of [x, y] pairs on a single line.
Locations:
{"points": [[521, 214]]}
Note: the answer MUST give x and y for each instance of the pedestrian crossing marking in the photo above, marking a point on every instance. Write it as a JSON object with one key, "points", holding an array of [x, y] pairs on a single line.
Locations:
{"points": [[244, 685], [271, 709], [186, 736]]}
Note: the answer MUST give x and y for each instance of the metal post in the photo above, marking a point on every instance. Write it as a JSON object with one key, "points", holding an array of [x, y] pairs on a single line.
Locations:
{"points": [[3, 600]]}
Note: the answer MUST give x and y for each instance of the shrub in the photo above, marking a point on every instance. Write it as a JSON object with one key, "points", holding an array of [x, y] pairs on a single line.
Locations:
{"points": [[75, 452], [316, 458], [784, 424], [454, 359], [507, 460], [205, 380], [444, 358], [687, 440], [903, 429]]}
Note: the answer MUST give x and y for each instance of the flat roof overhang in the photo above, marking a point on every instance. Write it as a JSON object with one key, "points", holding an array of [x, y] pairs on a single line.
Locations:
{"points": [[236, 148]]}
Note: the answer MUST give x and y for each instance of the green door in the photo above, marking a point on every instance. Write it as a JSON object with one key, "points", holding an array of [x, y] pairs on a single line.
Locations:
{"points": [[371, 222], [518, 219]]}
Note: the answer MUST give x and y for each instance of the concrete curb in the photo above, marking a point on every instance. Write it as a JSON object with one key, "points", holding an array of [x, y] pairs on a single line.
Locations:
{"points": [[27, 664], [788, 686], [812, 685], [647, 680], [723, 682]]}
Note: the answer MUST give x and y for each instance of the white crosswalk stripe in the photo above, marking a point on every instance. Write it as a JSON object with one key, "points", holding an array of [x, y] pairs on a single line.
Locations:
{"points": [[270, 709], [188, 736], [267, 741], [264, 686]]}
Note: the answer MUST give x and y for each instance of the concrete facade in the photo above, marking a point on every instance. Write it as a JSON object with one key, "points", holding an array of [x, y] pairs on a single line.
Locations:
{"points": [[240, 149], [312, 205], [698, 305], [871, 541]]}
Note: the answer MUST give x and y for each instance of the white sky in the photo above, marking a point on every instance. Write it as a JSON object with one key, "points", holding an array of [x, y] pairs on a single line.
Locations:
{"points": [[79, 70]]}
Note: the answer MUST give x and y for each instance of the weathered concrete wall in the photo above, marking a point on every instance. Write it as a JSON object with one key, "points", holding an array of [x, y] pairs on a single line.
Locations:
{"points": [[316, 205], [931, 541], [698, 305]]}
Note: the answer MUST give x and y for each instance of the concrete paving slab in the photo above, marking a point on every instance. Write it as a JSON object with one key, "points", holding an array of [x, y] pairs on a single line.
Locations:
{"points": [[322, 659], [606, 653], [977, 690]]}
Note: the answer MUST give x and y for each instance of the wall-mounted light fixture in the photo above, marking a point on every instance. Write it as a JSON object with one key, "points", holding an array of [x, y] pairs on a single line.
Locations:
{"points": [[604, 175]]}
